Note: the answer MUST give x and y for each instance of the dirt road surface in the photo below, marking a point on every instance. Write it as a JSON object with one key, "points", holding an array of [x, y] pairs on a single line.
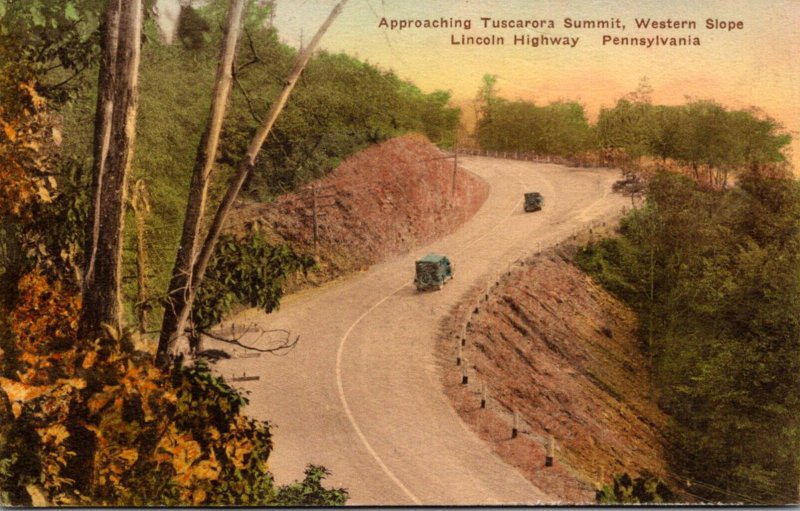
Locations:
{"points": [[361, 393]]}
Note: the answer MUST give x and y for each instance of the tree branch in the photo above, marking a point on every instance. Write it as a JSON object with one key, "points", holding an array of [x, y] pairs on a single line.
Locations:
{"points": [[246, 98], [282, 349]]}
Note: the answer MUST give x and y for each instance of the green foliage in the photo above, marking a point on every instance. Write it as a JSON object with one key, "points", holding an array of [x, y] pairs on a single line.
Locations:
{"points": [[310, 491], [57, 249], [627, 127], [602, 260], [485, 98], [192, 28], [205, 399], [559, 128], [249, 271], [715, 279], [701, 134], [51, 42], [645, 489], [340, 106]]}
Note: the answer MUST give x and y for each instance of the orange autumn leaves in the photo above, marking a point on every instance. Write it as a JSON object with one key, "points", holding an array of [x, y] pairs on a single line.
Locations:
{"points": [[141, 420], [185, 456], [27, 142], [45, 323]]}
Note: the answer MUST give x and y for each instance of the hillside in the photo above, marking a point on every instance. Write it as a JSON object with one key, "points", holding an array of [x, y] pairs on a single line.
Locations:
{"points": [[554, 346], [381, 201]]}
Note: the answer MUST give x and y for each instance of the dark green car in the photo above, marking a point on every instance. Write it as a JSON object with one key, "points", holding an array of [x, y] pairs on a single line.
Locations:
{"points": [[433, 271], [533, 201]]}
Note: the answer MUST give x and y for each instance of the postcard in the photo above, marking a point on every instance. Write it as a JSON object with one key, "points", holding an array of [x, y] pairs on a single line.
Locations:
{"points": [[399, 253]]}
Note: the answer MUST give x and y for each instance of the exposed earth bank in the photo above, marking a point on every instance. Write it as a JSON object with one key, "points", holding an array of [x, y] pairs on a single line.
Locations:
{"points": [[382, 201], [553, 346]]}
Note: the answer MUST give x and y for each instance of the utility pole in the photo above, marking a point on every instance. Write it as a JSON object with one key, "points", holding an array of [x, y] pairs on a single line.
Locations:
{"points": [[141, 208], [316, 220], [455, 164], [317, 208]]}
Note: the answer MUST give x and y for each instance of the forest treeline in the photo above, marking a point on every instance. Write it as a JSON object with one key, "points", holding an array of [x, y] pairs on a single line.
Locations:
{"points": [[702, 136]]}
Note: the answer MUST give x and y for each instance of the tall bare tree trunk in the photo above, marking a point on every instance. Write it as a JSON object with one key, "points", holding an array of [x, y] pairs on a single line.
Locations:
{"points": [[198, 191], [245, 167], [115, 133]]}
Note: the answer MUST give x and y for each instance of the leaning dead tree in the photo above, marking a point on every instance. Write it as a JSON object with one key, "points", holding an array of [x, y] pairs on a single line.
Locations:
{"points": [[115, 132], [181, 300], [177, 294]]}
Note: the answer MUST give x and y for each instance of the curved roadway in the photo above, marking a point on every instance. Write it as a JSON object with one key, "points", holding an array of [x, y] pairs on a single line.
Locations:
{"points": [[361, 393]]}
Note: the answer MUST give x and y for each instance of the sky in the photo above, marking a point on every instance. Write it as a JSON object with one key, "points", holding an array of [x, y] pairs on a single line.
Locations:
{"points": [[755, 65]]}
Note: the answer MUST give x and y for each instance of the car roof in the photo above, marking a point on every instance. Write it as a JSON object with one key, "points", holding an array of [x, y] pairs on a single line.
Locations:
{"points": [[431, 258]]}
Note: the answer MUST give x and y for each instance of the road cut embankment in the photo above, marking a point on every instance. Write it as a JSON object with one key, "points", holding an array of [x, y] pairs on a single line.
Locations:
{"points": [[382, 201], [550, 345]]}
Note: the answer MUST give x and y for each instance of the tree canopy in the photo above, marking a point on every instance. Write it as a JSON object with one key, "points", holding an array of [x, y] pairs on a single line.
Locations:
{"points": [[715, 278]]}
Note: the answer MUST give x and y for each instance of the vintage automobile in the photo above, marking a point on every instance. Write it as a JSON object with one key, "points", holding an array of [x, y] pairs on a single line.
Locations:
{"points": [[533, 201], [433, 271]]}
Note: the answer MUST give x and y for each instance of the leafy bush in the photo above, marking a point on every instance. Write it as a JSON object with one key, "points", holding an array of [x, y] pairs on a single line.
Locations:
{"points": [[248, 271], [645, 489]]}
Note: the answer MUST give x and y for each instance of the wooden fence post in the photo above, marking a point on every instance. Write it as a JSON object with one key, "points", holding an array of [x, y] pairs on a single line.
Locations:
{"points": [[551, 448], [515, 425]]}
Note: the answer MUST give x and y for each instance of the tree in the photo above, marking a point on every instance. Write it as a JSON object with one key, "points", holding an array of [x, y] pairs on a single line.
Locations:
{"points": [[115, 133], [485, 98], [760, 140], [713, 276], [704, 138], [188, 249], [559, 128], [625, 127]]}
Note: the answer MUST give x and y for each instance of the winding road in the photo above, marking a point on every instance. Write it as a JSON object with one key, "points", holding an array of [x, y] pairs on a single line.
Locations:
{"points": [[361, 393]]}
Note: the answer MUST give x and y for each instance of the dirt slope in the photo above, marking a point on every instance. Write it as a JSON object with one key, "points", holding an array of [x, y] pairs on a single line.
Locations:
{"points": [[382, 201], [555, 347]]}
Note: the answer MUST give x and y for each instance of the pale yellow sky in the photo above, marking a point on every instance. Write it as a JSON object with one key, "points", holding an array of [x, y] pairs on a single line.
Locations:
{"points": [[755, 65]]}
